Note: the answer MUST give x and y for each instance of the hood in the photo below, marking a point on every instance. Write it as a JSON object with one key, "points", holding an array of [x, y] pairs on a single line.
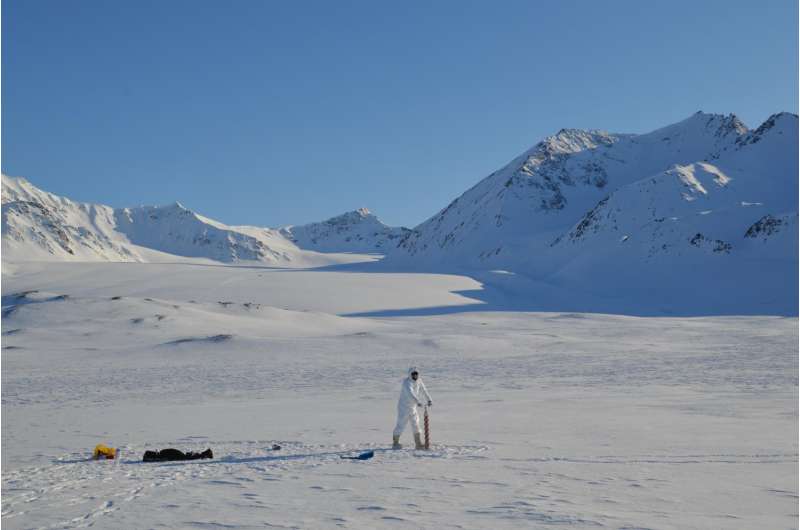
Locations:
{"points": [[412, 369]]}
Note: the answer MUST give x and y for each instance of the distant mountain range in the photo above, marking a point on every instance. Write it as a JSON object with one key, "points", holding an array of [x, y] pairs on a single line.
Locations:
{"points": [[702, 205], [41, 226]]}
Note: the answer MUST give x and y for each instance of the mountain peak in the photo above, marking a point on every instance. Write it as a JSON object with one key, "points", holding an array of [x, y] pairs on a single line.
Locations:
{"points": [[352, 217], [573, 140], [20, 180], [354, 231], [777, 118], [19, 188], [721, 122], [173, 206], [504, 218], [777, 123], [699, 128]]}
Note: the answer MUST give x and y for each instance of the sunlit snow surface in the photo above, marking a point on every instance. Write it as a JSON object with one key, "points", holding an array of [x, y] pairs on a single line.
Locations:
{"points": [[541, 419]]}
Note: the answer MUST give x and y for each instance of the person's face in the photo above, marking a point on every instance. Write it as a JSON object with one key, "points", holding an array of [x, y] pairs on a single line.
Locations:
{"points": [[414, 375]]}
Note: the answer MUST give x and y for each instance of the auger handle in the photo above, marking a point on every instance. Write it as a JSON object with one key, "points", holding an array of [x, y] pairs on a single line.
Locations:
{"points": [[427, 430]]}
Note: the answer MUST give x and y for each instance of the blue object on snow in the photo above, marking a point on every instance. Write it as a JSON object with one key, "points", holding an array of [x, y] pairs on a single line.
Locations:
{"points": [[363, 456]]}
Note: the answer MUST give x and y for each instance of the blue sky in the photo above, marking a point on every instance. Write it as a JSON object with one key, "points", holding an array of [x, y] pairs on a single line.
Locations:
{"points": [[270, 113]]}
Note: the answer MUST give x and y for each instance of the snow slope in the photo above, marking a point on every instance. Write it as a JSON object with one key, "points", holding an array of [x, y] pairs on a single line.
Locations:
{"points": [[176, 230], [40, 225], [696, 218], [539, 420], [513, 217], [703, 202]]}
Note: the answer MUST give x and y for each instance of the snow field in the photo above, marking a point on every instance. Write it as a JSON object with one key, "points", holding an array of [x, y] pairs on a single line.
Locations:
{"points": [[540, 420]]}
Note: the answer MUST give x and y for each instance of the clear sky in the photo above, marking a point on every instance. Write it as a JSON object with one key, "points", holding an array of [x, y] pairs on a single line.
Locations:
{"points": [[270, 113]]}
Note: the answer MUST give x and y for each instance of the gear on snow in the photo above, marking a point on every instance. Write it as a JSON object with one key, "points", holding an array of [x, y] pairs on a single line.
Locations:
{"points": [[104, 452], [166, 455]]}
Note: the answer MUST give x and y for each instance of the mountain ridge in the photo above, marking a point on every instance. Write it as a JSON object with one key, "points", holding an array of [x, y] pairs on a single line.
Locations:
{"points": [[703, 182], [540, 194], [40, 225]]}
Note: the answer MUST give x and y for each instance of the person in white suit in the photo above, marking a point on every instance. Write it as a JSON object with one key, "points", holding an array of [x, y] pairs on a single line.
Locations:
{"points": [[413, 394]]}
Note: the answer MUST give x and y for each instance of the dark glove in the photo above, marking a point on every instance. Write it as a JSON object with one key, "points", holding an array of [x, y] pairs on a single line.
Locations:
{"points": [[430, 403]]}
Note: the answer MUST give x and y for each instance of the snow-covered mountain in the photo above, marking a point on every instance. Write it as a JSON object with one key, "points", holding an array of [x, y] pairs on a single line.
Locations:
{"points": [[698, 184], [176, 230], [357, 231], [699, 214], [38, 225]]}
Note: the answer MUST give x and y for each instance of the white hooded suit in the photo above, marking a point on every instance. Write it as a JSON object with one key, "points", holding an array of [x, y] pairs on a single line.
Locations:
{"points": [[412, 394]]}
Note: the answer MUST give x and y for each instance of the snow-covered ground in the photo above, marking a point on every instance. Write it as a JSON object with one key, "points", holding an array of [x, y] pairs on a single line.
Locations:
{"points": [[541, 420]]}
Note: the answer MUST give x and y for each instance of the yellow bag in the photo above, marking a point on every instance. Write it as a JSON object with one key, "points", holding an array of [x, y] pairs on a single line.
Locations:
{"points": [[101, 451]]}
